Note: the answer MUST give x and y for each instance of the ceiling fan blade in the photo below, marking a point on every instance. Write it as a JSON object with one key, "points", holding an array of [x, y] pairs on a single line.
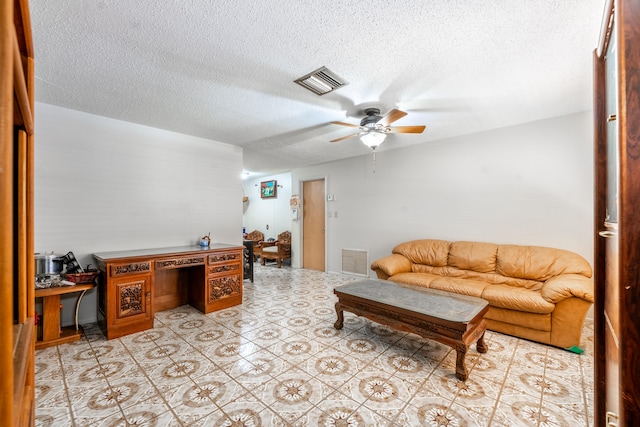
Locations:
{"points": [[391, 117], [345, 137], [345, 124], [407, 129]]}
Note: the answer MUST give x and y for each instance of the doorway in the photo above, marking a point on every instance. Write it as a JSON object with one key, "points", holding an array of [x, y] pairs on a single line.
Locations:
{"points": [[313, 225]]}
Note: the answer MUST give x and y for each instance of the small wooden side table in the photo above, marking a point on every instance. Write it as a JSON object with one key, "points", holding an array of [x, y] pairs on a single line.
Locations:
{"points": [[52, 333]]}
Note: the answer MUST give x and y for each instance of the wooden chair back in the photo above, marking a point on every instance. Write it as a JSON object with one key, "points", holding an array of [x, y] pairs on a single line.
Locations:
{"points": [[256, 236], [282, 249]]}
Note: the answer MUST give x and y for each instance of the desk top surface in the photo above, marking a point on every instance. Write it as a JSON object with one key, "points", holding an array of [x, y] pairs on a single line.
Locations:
{"points": [[154, 252], [432, 302]]}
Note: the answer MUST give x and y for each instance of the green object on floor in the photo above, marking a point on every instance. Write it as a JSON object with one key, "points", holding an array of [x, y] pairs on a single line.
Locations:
{"points": [[575, 349]]}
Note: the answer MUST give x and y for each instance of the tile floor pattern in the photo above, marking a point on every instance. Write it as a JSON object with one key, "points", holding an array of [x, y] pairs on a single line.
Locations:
{"points": [[278, 361]]}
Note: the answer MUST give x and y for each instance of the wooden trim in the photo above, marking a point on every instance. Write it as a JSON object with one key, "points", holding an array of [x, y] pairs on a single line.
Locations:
{"points": [[6, 213], [17, 330], [605, 28], [21, 228], [23, 405], [22, 22], [599, 268], [20, 88], [30, 196], [628, 32]]}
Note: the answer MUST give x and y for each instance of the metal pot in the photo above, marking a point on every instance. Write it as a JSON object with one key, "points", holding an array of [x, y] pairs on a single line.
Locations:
{"points": [[48, 264]]}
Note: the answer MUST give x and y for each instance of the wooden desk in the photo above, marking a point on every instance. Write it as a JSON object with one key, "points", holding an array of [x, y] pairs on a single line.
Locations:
{"points": [[52, 333], [133, 285]]}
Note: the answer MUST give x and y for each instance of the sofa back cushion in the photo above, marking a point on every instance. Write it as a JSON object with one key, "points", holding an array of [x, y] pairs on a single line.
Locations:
{"points": [[539, 263], [474, 256], [427, 252]]}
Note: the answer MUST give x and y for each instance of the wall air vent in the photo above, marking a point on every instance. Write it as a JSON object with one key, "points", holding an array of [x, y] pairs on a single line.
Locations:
{"points": [[356, 262], [321, 81]]}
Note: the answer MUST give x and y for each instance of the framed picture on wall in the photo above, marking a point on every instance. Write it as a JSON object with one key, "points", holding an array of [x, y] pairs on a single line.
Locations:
{"points": [[268, 189]]}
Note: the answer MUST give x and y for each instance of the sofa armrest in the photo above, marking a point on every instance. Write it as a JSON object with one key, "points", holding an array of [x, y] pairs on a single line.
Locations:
{"points": [[565, 286], [391, 265]]}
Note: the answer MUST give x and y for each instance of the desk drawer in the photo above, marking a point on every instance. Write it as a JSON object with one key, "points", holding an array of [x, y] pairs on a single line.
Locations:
{"points": [[142, 267], [225, 257], [176, 262], [224, 269]]}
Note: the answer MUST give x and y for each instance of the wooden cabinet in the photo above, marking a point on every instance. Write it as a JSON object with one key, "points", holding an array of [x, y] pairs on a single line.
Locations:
{"points": [[133, 285], [17, 302]]}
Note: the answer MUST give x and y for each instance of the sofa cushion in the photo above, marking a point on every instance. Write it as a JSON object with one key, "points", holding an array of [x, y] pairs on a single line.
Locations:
{"points": [[519, 299], [539, 263], [415, 279], [492, 278], [427, 251], [472, 288], [421, 268], [475, 256]]}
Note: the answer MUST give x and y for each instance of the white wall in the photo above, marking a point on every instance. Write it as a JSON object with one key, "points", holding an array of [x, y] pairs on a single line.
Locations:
{"points": [[272, 216], [104, 184], [528, 184]]}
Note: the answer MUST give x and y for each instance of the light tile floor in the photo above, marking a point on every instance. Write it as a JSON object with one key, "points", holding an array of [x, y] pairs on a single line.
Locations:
{"points": [[278, 361]]}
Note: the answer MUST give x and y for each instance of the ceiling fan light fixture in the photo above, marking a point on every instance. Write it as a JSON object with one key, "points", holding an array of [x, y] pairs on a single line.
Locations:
{"points": [[373, 139], [374, 128]]}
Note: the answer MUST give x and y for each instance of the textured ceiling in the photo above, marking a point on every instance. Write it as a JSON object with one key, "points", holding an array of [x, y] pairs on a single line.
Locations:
{"points": [[224, 69]]}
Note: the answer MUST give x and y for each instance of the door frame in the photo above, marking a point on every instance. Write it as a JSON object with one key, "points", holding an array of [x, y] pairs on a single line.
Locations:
{"points": [[298, 243]]}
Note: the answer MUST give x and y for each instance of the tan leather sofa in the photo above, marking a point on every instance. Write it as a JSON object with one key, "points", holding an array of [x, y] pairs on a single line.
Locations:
{"points": [[537, 293]]}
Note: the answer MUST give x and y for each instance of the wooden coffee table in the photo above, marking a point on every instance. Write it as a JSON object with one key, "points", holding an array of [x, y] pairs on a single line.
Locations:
{"points": [[451, 319]]}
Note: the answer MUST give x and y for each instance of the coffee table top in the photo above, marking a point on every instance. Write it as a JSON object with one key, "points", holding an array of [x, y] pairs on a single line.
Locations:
{"points": [[431, 302]]}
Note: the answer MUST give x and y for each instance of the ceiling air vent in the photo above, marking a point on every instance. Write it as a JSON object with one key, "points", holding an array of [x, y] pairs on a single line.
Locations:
{"points": [[321, 81]]}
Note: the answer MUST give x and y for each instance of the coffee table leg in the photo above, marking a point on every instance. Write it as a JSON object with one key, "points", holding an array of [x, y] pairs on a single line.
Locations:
{"points": [[340, 321], [461, 370], [480, 345]]}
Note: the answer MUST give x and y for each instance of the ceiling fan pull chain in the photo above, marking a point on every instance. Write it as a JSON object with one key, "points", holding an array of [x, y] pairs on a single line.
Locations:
{"points": [[374, 160]]}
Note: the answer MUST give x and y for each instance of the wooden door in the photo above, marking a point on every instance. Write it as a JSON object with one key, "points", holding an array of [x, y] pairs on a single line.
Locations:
{"points": [[313, 225], [617, 225], [607, 272]]}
